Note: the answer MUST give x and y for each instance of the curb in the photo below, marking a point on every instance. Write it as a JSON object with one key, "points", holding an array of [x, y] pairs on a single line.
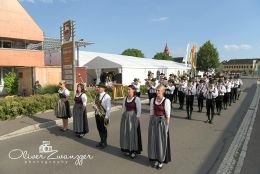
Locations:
{"points": [[234, 158], [49, 124]]}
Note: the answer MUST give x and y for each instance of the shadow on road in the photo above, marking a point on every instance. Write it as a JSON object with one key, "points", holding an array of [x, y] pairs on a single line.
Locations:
{"points": [[218, 152], [112, 150]]}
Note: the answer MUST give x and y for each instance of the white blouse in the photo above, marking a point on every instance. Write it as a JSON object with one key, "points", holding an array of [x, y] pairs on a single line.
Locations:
{"points": [[65, 91], [167, 106], [137, 102], [84, 98]]}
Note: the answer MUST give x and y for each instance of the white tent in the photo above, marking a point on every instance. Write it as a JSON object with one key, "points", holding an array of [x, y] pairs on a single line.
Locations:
{"points": [[130, 67]]}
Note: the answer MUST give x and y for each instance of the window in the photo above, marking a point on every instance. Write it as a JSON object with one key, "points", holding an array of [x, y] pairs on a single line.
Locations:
{"points": [[251, 66], [19, 45], [20, 75], [7, 44], [0, 44]]}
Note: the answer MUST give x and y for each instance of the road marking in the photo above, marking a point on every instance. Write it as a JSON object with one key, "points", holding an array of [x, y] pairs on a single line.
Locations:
{"points": [[234, 158]]}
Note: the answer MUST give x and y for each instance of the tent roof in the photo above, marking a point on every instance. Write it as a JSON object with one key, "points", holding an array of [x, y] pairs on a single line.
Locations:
{"points": [[103, 60]]}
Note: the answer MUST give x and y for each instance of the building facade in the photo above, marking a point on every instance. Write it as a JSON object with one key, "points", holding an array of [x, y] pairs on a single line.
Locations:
{"points": [[243, 66], [20, 46]]}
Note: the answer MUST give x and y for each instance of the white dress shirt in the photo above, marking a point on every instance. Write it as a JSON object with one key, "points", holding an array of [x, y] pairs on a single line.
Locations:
{"points": [[191, 91], [137, 102]]}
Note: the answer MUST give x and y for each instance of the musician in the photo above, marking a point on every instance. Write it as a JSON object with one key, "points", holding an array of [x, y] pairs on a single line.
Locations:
{"points": [[200, 96], [62, 109], [226, 97], [236, 83], [102, 107], [210, 94], [80, 120], [231, 96], [152, 89], [181, 92], [159, 150], [136, 84], [190, 91], [176, 84], [130, 133], [240, 83], [170, 90], [221, 92]]}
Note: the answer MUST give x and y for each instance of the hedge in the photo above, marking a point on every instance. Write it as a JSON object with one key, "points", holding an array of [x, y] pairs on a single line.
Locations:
{"points": [[13, 106]]}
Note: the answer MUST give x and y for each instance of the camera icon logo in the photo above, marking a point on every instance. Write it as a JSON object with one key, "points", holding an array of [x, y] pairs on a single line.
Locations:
{"points": [[45, 147]]}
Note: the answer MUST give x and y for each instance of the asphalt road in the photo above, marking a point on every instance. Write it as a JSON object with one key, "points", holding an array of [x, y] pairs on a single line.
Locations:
{"points": [[252, 160], [197, 147]]}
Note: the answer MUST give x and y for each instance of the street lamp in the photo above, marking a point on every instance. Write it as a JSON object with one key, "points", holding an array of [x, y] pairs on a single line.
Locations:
{"points": [[81, 43]]}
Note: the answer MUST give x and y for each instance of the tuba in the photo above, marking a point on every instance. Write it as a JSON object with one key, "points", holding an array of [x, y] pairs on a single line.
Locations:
{"points": [[101, 111]]}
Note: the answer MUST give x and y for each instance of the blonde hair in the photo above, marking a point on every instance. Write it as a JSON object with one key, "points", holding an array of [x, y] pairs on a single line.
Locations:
{"points": [[160, 87], [62, 82]]}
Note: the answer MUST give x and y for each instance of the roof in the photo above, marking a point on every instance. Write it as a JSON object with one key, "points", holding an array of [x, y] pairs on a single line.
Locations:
{"points": [[178, 59], [241, 61], [87, 59], [16, 23]]}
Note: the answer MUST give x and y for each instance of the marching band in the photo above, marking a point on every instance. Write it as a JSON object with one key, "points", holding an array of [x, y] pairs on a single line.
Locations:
{"points": [[162, 94]]}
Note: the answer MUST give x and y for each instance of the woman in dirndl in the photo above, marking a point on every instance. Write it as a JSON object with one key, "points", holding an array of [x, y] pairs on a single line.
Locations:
{"points": [[130, 132], [159, 150], [80, 120], [62, 109]]}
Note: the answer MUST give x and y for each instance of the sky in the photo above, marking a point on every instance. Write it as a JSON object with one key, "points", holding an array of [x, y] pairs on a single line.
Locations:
{"points": [[233, 26]]}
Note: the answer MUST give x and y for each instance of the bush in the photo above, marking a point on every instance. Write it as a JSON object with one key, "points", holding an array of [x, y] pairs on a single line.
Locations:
{"points": [[11, 83], [49, 89], [13, 106]]}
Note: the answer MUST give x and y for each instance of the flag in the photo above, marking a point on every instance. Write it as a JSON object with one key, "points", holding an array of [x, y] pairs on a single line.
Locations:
{"points": [[187, 54], [193, 57]]}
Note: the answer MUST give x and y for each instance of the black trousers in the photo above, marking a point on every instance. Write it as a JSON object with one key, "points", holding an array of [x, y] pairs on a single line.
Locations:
{"points": [[210, 104], [102, 130], [175, 95], [231, 94], [219, 101], [181, 96], [189, 104], [200, 102], [235, 95]]}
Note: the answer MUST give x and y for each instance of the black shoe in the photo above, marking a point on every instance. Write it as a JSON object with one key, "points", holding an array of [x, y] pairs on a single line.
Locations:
{"points": [[99, 144], [210, 122], [186, 118], [103, 146], [63, 130], [133, 155], [160, 166]]}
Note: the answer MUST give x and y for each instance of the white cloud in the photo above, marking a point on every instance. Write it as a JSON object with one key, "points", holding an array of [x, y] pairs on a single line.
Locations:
{"points": [[164, 18], [237, 47]]}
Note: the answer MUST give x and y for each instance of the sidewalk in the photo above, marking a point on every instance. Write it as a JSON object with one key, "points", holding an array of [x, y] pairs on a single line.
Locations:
{"points": [[27, 124]]}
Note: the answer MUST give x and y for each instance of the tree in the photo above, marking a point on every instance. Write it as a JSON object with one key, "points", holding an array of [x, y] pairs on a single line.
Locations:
{"points": [[162, 56], [133, 52], [207, 57], [11, 83]]}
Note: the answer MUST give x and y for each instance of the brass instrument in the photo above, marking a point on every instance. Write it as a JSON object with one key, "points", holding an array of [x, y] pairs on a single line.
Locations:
{"points": [[100, 110]]}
